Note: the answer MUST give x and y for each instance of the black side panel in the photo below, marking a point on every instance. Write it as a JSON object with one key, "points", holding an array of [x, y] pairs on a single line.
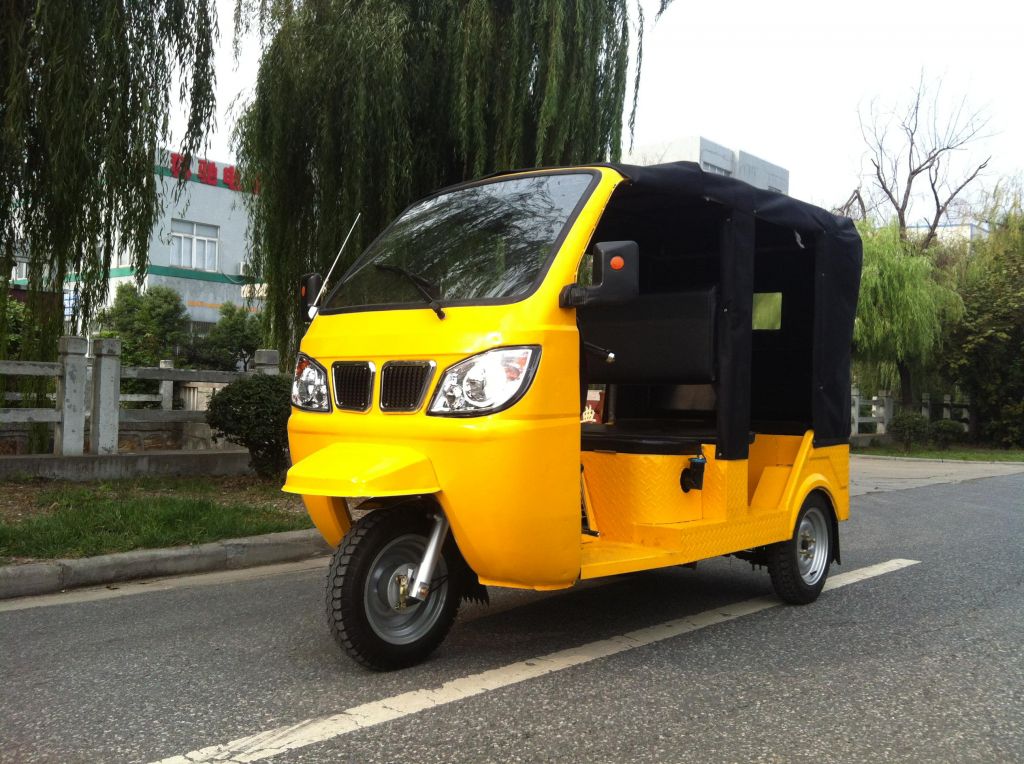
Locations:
{"points": [[735, 309], [837, 284], [656, 338]]}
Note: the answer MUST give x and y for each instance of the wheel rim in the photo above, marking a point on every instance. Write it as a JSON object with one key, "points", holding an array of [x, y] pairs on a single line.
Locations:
{"points": [[812, 542], [389, 621]]}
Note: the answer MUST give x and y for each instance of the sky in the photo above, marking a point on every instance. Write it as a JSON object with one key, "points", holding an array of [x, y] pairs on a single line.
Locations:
{"points": [[785, 81]]}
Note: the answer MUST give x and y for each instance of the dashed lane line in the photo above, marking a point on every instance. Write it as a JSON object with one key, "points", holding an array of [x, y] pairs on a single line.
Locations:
{"points": [[265, 745]]}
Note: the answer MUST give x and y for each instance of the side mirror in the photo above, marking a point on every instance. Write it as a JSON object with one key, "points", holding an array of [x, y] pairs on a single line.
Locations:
{"points": [[620, 277], [309, 289]]}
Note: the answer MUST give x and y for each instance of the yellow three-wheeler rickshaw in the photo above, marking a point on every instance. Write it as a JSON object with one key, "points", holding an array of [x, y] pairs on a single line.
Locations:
{"points": [[439, 390]]}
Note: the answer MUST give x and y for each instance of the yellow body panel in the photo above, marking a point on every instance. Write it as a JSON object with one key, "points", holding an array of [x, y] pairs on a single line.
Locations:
{"points": [[636, 536], [509, 482], [330, 515]]}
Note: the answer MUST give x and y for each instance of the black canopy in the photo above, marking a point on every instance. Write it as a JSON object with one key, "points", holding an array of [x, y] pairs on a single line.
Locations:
{"points": [[835, 246]]}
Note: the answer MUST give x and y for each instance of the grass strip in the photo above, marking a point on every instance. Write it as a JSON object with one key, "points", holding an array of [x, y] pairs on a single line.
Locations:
{"points": [[960, 454], [82, 522]]}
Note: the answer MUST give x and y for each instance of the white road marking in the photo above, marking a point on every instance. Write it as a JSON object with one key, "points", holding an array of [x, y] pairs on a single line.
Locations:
{"points": [[128, 588], [273, 742]]}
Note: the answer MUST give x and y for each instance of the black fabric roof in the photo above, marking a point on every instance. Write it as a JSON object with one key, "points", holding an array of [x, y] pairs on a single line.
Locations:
{"points": [[837, 254], [688, 179]]}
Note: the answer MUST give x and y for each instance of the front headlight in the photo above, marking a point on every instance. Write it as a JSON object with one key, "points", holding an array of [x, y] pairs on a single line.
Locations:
{"points": [[486, 383], [309, 385]]}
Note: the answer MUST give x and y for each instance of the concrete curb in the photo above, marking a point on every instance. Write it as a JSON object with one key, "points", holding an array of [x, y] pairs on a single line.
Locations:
{"points": [[230, 554], [120, 466]]}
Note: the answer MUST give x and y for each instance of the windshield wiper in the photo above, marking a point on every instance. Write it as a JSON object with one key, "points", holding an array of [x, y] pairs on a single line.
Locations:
{"points": [[423, 286]]}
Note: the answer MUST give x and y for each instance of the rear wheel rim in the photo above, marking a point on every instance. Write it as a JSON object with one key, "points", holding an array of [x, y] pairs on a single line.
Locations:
{"points": [[812, 546], [402, 626]]}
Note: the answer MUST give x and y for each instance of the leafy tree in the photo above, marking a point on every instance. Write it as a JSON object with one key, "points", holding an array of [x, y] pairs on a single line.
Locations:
{"points": [[10, 339], [901, 311], [986, 349], [364, 107], [85, 93], [235, 337], [151, 326]]}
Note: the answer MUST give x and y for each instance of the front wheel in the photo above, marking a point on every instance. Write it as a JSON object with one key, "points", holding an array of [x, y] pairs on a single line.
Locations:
{"points": [[368, 609], [799, 566]]}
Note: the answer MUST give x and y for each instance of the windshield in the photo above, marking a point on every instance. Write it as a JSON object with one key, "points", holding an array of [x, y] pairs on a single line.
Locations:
{"points": [[486, 242]]}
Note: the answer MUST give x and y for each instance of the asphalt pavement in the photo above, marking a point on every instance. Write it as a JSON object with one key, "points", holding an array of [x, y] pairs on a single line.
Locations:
{"points": [[924, 662]]}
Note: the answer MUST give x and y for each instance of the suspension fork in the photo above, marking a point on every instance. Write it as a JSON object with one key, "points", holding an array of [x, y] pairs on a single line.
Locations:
{"points": [[420, 588]]}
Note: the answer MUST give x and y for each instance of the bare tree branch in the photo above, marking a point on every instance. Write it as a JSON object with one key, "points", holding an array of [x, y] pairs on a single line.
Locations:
{"points": [[855, 203], [926, 144], [943, 206]]}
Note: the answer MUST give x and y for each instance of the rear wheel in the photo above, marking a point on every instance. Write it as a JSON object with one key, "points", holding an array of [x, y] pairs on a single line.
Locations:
{"points": [[368, 609], [799, 566]]}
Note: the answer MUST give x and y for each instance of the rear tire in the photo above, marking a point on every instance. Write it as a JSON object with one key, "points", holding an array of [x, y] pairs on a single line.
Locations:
{"points": [[362, 601], [798, 567]]}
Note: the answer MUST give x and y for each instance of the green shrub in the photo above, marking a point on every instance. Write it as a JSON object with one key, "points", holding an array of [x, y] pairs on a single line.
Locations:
{"points": [[944, 432], [909, 428], [1007, 428], [253, 412]]}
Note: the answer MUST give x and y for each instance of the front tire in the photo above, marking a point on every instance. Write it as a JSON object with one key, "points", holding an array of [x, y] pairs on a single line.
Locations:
{"points": [[365, 609], [798, 567]]}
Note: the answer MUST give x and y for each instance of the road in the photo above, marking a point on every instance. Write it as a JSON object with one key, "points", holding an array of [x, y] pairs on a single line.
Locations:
{"points": [[919, 660]]}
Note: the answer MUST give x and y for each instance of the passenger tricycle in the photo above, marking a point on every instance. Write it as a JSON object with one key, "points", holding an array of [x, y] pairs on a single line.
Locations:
{"points": [[701, 325]]}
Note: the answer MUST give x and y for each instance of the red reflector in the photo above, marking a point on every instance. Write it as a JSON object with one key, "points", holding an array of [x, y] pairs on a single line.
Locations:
{"points": [[302, 291], [617, 263]]}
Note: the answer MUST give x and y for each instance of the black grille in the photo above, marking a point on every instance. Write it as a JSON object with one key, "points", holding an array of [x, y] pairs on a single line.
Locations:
{"points": [[353, 385], [403, 384]]}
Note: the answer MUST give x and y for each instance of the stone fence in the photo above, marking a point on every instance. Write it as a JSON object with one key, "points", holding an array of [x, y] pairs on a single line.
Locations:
{"points": [[873, 415], [88, 402]]}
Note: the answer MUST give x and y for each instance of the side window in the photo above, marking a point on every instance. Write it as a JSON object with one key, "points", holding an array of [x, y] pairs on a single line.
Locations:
{"points": [[767, 311]]}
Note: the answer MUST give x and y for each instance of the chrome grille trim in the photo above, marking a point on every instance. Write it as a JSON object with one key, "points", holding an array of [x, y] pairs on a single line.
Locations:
{"points": [[353, 384], [404, 385]]}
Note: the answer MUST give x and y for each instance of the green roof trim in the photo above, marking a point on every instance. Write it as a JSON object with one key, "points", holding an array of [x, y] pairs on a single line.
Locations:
{"points": [[188, 273], [162, 270]]}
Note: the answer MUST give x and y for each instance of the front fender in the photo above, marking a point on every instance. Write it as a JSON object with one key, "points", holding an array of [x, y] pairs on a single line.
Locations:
{"points": [[358, 470]]}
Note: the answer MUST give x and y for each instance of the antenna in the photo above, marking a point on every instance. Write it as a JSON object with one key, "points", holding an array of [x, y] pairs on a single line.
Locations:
{"points": [[336, 259]]}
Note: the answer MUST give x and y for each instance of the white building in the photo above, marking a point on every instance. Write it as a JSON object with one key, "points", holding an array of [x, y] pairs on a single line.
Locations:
{"points": [[953, 233], [714, 157], [198, 244]]}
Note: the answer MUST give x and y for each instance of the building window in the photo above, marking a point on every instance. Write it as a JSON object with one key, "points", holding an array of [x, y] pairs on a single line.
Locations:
{"points": [[201, 328], [194, 245], [715, 169], [20, 270]]}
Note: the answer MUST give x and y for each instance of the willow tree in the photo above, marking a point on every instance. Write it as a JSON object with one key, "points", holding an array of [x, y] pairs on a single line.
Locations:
{"points": [[85, 94], [901, 311], [361, 107]]}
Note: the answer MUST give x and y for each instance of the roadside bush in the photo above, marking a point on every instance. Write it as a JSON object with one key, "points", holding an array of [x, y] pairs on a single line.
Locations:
{"points": [[944, 432], [253, 412], [909, 428]]}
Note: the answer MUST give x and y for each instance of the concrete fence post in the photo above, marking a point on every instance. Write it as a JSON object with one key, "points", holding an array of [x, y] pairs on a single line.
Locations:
{"points": [[926, 405], [69, 432], [947, 406], [882, 411], [855, 410], [167, 388], [106, 395], [267, 362]]}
